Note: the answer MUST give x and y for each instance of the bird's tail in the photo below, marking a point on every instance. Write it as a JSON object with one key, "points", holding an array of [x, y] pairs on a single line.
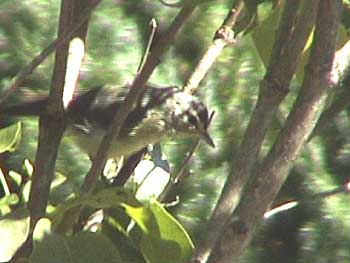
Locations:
{"points": [[24, 103], [26, 108]]}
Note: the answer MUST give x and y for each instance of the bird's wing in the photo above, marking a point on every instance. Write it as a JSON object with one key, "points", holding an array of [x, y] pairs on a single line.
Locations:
{"points": [[98, 106]]}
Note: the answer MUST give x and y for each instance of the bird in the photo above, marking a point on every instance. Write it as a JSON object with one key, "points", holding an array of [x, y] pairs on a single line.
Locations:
{"points": [[160, 113]]}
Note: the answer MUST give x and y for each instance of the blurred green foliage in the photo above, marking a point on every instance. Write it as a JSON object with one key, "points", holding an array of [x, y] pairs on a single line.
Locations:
{"points": [[314, 231]]}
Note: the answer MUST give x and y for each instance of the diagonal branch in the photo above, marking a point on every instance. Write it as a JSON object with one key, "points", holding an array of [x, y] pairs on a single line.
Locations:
{"points": [[51, 124], [273, 171], [136, 89], [290, 40], [223, 36]]}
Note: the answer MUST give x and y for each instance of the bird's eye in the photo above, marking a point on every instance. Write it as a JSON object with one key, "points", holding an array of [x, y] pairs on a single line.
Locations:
{"points": [[192, 120]]}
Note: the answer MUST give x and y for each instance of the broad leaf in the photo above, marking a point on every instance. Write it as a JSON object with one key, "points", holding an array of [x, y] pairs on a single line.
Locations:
{"points": [[85, 247], [162, 238], [14, 229], [9, 137]]}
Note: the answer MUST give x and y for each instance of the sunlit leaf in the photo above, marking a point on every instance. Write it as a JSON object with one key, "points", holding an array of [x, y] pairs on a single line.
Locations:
{"points": [[9, 137], [14, 229], [171, 229]]}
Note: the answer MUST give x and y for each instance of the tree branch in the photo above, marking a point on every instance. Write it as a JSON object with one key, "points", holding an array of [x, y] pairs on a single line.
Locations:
{"points": [[290, 40], [128, 168], [273, 171], [223, 36], [51, 122], [51, 128]]}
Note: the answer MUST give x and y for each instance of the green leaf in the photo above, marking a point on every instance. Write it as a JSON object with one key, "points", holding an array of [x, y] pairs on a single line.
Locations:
{"points": [[28, 167], [9, 137], [263, 37], [7, 201], [110, 198], [42, 228], [264, 34], [171, 229], [153, 246], [163, 239], [14, 229], [85, 248], [67, 213], [157, 250], [144, 218], [16, 177]]}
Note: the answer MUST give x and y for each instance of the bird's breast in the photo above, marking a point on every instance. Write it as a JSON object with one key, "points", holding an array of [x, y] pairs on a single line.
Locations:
{"points": [[90, 140]]}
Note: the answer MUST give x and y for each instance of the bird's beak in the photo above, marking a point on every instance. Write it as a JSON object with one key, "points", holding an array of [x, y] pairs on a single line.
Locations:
{"points": [[206, 137]]}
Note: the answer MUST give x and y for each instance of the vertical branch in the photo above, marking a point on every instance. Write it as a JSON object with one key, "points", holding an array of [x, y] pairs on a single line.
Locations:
{"points": [[290, 40], [273, 171], [72, 22], [51, 123], [51, 127]]}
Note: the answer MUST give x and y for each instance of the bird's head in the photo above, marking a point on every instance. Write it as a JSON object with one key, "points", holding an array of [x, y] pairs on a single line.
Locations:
{"points": [[189, 117]]}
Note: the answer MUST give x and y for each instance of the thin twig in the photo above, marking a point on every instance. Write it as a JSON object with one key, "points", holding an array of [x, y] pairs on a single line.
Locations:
{"points": [[153, 28], [179, 177], [224, 36], [318, 196]]}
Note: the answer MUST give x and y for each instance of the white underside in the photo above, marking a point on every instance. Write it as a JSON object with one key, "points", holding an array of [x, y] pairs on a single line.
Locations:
{"points": [[90, 141]]}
